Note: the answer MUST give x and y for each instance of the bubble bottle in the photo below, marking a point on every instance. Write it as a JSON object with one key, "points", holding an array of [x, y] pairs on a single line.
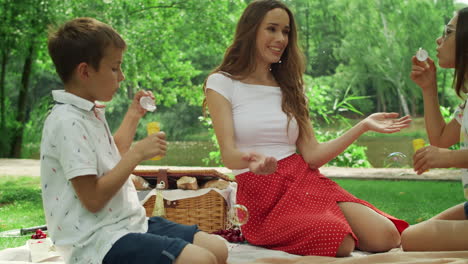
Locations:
{"points": [[159, 200], [417, 144], [152, 128]]}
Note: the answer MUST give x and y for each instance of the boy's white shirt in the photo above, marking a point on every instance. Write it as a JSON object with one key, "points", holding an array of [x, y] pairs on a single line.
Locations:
{"points": [[76, 141]]}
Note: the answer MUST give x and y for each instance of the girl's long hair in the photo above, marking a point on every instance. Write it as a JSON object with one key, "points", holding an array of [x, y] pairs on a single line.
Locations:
{"points": [[240, 61], [461, 52]]}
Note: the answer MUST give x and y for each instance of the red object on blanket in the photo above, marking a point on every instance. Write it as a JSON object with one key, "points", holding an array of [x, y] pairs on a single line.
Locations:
{"points": [[39, 234], [295, 209], [232, 235]]}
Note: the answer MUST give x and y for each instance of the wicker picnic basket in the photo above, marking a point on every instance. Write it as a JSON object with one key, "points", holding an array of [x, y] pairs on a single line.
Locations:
{"points": [[208, 211]]}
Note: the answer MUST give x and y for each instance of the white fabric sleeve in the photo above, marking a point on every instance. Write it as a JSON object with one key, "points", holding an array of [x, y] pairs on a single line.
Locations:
{"points": [[76, 153], [458, 114], [221, 84]]}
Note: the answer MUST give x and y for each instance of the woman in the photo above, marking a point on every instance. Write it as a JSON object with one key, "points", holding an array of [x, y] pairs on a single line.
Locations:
{"points": [[259, 111], [449, 229]]}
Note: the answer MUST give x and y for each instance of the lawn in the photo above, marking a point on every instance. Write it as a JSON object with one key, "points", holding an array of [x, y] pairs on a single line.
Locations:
{"points": [[413, 201]]}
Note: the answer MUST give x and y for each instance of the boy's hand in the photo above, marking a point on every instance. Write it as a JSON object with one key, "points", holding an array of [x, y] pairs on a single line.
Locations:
{"points": [[259, 164], [152, 145], [135, 106]]}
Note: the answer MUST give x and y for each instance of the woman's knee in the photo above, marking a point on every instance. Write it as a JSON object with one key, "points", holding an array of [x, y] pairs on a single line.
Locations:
{"points": [[414, 237], [384, 240], [346, 247], [196, 255], [212, 243]]}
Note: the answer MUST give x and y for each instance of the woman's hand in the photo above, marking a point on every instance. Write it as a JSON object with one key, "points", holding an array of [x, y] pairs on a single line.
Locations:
{"points": [[424, 74], [430, 157], [386, 122], [259, 164], [135, 107]]}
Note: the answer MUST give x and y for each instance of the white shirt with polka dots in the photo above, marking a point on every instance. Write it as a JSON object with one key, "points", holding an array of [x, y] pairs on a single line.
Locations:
{"points": [[76, 141]]}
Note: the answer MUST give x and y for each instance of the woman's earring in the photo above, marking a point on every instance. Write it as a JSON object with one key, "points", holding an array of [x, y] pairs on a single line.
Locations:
{"points": [[279, 61]]}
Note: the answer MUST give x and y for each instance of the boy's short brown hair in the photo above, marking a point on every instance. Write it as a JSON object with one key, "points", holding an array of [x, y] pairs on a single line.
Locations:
{"points": [[81, 40]]}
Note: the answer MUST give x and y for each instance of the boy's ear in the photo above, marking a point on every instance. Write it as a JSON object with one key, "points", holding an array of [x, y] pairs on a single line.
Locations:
{"points": [[82, 71]]}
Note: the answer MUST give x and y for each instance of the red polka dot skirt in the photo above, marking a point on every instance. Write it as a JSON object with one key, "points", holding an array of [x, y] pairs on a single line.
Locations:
{"points": [[295, 209]]}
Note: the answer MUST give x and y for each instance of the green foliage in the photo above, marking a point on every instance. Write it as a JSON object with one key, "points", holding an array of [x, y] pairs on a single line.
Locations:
{"points": [[354, 156], [33, 128], [11, 125], [358, 59]]}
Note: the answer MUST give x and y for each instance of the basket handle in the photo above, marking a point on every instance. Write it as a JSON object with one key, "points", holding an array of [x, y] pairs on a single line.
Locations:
{"points": [[162, 176]]}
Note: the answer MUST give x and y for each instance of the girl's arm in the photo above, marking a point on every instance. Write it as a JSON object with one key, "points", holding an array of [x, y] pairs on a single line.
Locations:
{"points": [[221, 115], [124, 135], [433, 157], [440, 134], [317, 154]]}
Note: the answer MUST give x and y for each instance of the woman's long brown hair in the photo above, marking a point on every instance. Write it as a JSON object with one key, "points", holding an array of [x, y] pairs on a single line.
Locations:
{"points": [[240, 61], [461, 52]]}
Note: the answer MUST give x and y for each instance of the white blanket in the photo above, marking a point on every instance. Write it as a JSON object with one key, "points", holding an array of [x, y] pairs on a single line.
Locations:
{"points": [[238, 254]]}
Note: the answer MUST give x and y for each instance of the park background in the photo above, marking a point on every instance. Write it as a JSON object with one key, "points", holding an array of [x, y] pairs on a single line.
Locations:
{"points": [[358, 62]]}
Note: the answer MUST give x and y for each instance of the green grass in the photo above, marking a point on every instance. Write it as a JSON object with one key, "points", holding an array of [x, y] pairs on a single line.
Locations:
{"points": [[20, 206], [413, 201]]}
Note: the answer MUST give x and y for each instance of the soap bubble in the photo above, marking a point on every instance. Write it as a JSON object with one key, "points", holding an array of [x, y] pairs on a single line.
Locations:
{"points": [[238, 214], [395, 160]]}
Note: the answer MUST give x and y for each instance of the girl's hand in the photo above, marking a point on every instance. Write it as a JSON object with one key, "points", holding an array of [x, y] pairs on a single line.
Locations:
{"points": [[135, 106], [386, 122], [259, 164], [152, 145], [430, 157], [424, 75]]}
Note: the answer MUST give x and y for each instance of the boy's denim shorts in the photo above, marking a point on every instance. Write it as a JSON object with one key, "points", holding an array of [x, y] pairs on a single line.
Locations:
{"points": [[161, 244]]}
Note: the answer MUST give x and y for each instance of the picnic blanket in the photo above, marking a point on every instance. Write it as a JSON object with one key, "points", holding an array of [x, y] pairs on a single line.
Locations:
{"points": [[249, 254], [452, 257]]}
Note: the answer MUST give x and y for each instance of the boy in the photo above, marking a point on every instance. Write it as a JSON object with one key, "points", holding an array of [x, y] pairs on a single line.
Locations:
{"points": [[92, 209]]}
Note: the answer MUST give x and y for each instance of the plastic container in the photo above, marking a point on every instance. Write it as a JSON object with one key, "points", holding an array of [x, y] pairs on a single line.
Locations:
{"points": [[418, 143], [152, 128]]}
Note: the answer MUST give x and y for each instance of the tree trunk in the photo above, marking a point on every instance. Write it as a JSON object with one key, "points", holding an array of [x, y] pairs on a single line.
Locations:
{"points": [[404, 104], [2, 89], [23, 95]]}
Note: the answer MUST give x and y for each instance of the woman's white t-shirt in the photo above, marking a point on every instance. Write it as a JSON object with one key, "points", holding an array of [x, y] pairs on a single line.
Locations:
{"points": [[260, 124]]}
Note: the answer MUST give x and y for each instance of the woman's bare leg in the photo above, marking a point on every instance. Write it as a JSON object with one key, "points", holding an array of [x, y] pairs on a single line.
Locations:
{"points": [[447, 231], [375, 232], [436, 235], [454, 213], [214, 244], [346, 247]]}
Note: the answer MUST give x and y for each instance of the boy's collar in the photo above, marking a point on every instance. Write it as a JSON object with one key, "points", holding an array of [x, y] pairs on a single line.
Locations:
{"points": [[64, 97]]}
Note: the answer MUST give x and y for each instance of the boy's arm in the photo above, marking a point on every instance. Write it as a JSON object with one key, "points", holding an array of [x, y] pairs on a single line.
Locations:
{"points": [[124, 135], [94, 192]]}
